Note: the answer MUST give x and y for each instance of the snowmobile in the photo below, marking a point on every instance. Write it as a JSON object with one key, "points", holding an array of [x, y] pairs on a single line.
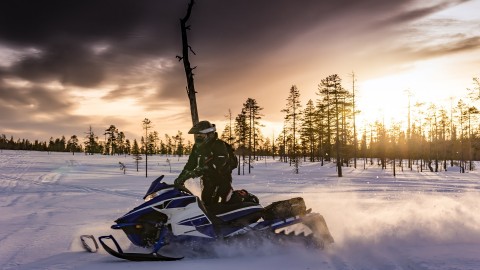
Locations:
{"points": [[170, 214]]}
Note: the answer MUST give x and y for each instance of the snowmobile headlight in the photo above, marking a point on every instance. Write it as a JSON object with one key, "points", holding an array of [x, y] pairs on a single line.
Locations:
{"points": [[156, 194], [151, 196]]}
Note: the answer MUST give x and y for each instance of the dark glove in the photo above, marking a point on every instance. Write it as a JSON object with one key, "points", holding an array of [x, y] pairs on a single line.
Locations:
{"points": [[180, 182], [183, 177]]}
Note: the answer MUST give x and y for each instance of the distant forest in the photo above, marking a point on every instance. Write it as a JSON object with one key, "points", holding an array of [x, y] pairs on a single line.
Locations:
{"points": [[114, 143], [324, 130]]}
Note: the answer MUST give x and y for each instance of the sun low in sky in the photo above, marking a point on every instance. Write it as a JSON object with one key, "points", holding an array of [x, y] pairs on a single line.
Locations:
{"points": [[65, 66]]}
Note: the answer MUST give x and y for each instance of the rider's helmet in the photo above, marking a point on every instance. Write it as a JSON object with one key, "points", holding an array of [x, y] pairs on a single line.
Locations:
{"points": [[204, 132]]}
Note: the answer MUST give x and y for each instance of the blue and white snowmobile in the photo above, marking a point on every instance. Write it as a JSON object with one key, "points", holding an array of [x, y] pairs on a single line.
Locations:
{"points": [[176, 215]]}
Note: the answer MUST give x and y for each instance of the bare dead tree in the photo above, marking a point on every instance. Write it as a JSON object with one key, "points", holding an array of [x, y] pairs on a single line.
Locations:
{"points": [[186, 49]]}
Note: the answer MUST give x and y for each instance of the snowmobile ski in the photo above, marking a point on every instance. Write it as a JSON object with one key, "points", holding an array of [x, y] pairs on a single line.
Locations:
{"points": [[89, 238], [133, 256]]}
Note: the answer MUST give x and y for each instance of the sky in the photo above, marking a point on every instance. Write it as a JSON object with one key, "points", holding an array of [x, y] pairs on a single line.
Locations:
{"points": [[68, 65]]}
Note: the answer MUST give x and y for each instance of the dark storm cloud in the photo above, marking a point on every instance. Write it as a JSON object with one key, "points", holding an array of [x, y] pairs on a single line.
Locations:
{"points": [[34, 99], [67, 63], [35, 112], [65, 33], [130, 46], [39, 22]]}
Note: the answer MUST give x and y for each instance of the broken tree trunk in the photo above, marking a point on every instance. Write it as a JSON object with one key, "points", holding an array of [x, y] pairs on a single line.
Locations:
{"points": [[186, 63]]}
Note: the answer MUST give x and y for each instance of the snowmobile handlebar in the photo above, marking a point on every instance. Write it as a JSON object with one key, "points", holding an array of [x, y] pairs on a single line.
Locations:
{"points": [[157, 185], [182, 188]]}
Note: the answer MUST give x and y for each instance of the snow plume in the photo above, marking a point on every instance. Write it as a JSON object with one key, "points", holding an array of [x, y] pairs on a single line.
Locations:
{"points": [[254, 245], [415, 220], [247, 246]]}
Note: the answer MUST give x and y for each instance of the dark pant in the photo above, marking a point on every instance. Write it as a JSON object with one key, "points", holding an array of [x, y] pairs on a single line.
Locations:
{"points": [[215, 189]]}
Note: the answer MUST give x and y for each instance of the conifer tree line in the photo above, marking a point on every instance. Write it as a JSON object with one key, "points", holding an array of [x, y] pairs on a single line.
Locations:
{"points": [[325, 130], [321, 130], [111, 142]]}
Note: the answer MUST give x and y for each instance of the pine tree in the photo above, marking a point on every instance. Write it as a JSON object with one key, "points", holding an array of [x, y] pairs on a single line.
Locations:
{"points": [[252, 113], [241, 133], [111, 143], [128, 147], [120, 143], [336, 103], [462, 111], [227, 134], [309, 129], [146, 124], [72, 144], [91, 144], [136, 152], [292, 118], [168, 144], [252, 110], [179, 142]]}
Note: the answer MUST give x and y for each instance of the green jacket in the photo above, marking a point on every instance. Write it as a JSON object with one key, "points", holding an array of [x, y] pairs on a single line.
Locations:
{"points": [[210, 161]]}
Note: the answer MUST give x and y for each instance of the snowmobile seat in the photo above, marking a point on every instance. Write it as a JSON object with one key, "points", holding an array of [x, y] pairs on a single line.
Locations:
{"points": [[237, 213]]}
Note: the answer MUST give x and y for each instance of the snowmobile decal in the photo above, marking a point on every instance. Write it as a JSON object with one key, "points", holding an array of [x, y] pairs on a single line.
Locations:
{"points": [[196, 221], [231, 215]]}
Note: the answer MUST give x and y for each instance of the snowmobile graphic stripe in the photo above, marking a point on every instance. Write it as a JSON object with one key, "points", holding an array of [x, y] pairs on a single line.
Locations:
{"points": [[154, 205], [196, 221], [192, 218], [242, 230], [240, 210], [286, 222], [264, 225], [183, 202]]}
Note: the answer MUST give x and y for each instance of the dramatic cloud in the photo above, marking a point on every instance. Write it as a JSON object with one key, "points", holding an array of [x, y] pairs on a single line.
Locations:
{"points": [[69, 54]]}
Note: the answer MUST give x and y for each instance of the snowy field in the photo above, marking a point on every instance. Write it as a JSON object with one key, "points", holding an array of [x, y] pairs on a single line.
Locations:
{"points": [[414, 221]]}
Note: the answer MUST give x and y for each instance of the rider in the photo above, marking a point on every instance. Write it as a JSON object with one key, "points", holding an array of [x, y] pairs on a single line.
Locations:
{"points": [[209, 160]]}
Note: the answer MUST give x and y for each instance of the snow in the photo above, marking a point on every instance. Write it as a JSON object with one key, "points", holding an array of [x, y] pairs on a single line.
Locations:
{"points": [[416, 220]]}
